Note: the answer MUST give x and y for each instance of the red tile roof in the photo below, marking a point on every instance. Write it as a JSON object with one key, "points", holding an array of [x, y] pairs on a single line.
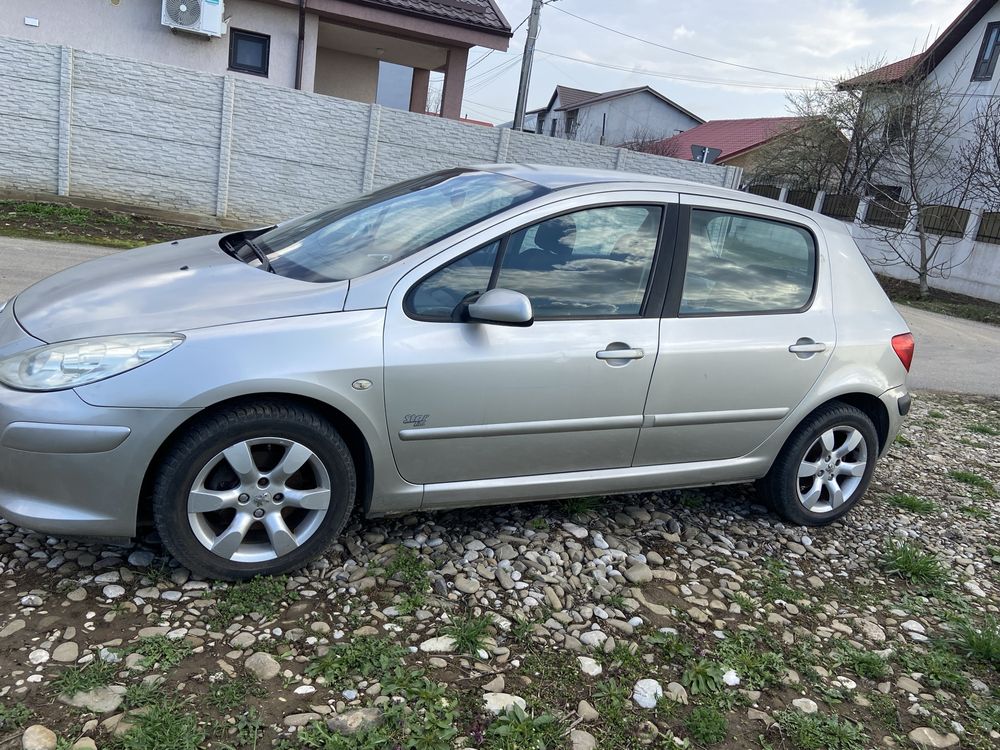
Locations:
{"points": [[891, 73], [732, 137]]}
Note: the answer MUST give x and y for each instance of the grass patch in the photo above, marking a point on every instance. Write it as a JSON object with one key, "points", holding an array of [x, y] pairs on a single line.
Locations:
{"points": [[141, 694], [95, 674], [707, 725], [165, 725], [703, 676], [976, 512], [366, 656], [425, 720], [754, 659], [935, 414], [940, 668], [167, 652], [984, 429], [908, 561], [814, 732], [233, 692], [574, 505], [972, 479], [262, 596], [14, 715], [903, 441], [517, 730], [979, 644], [862, 663], [911, 503], [946, 303], [469, 631], [408, 568]]}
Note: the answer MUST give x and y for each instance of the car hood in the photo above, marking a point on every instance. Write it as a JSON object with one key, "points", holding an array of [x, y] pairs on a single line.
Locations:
{"points": [[169, 287]]}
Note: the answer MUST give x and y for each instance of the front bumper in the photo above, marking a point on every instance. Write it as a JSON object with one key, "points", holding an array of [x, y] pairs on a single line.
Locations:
{"points": [[67, 467]]}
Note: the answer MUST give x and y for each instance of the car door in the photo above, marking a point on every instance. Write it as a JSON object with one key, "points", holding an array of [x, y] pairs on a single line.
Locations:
{"points": [[747, 330], [469, 400]]}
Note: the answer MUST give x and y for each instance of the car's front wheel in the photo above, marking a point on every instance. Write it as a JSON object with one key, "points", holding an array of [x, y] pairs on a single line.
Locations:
{"points": [[825, 466], [254, 489]]}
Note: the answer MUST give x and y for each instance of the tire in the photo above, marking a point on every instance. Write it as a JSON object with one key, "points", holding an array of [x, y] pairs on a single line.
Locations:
{"points": [[811, 499], [254, 489]]}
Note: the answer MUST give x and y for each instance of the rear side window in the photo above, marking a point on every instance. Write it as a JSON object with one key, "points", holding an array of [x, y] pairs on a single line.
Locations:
{"points": [[746, 264]]}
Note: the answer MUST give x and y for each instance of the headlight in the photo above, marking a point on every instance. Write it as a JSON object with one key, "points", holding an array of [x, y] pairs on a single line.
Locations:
{"points": [[74, 363]]}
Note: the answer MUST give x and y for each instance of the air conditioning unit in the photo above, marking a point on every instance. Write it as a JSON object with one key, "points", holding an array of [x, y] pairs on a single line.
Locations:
{"points": [[202, 17]]}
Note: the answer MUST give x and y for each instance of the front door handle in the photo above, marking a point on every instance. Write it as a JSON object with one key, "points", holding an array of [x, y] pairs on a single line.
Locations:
{"points": [[807, 346], [621, 354]]}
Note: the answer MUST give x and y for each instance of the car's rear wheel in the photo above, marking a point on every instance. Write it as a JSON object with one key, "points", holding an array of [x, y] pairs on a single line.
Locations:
{"points": [[256, 489], [825, 466]]}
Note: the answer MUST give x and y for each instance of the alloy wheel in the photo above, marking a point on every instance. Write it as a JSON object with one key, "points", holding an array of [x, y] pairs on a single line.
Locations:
{"points": [[832, 469], [259, 499]]}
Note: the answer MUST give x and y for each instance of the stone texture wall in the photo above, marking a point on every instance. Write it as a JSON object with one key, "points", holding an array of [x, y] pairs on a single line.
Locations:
{"points": [[94, 126]]}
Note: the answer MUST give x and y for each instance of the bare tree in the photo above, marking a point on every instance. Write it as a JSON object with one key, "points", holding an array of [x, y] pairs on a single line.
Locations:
{"points": [[646, 141], [938, 164], [984, 161], [840, 146], [806, 156]]}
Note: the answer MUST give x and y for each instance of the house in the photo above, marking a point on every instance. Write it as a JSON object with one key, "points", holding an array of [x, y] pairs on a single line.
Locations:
{"points": [[612, 118], [738, 141], [366, 50]]}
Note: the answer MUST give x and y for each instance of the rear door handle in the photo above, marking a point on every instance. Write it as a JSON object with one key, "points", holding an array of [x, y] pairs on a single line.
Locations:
{"points": [[621, 354], [807, 346]]}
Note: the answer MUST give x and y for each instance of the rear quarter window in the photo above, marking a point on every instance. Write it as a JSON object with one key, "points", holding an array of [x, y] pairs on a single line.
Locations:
{"points": [[746, 264]]}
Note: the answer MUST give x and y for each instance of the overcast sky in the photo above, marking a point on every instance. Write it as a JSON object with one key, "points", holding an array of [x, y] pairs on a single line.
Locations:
{"points": [[803, 37]]}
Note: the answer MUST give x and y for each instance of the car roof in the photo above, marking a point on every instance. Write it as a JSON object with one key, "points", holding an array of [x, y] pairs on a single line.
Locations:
{"points": [[560, 178]]}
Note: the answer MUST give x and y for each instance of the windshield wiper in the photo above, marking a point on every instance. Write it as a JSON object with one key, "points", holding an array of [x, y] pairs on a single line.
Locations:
{"points": [[261, 255]]}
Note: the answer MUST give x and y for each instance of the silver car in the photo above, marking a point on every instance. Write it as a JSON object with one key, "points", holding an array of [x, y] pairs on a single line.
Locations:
{"points": [[485, 335]]}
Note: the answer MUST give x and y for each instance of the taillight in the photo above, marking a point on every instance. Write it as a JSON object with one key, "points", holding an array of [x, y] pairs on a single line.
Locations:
{"points": [[903, 346]]}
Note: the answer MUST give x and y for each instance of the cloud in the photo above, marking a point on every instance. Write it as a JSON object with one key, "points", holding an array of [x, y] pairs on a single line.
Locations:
{"points": [[683, 32]]}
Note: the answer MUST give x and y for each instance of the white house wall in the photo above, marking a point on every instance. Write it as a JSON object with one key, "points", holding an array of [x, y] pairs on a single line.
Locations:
{"points": [[133, 29], [629, 117]]}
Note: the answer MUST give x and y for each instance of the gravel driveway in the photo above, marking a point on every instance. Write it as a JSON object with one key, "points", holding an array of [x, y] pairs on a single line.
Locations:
{"points": [[599, 622]]}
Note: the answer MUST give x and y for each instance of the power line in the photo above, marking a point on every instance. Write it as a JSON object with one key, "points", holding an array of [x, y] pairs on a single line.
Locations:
{"points": [[483, 57], [685, 52], [661, 74]]}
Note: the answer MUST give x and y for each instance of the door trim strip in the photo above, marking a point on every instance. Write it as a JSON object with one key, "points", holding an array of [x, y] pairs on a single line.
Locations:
{"points": [[715, 417], [587, 424]]}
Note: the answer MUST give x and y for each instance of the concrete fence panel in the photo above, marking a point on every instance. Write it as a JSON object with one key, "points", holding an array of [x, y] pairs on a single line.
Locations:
{"points": [[77, 123], [29, 116]]}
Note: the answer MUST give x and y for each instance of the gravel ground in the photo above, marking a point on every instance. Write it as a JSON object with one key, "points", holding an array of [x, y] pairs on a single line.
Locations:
{"points": [[663, 620]]}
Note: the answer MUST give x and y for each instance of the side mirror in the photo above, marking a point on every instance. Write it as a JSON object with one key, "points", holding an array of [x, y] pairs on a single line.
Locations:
{"points": [[501, 307]]}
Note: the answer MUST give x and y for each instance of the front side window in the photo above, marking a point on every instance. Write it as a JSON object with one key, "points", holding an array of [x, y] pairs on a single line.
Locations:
{"points": [[249, 52], [375, 230], [746, 264], [986, 61], [594, 263]]}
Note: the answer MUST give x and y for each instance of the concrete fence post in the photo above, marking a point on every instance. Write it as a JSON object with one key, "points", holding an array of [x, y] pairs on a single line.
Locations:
{"points": [[783, 194], [371, 148], [225, 145], [65, 120], [818, 203], [503, 145], [862, 212]]}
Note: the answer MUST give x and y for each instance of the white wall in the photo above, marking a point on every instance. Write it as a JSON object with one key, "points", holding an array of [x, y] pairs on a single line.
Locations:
{"points": [[348, 76], [639, 113], [133, 29], [78, 123]]}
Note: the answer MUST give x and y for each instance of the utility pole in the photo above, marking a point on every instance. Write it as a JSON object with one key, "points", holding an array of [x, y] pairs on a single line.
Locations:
{"points": [[526, 60]]}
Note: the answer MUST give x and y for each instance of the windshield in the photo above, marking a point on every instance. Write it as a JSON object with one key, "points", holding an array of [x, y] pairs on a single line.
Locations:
{"points": [[375, 230]]}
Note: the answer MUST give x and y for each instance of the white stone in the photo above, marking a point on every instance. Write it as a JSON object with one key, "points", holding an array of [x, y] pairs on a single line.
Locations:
{"points": [[805, 705], [646, 693], [37, 737], [443, 644], [912, 626], [38, 656], [498, 703], [113, 591], [589, 667], [731, 678]]}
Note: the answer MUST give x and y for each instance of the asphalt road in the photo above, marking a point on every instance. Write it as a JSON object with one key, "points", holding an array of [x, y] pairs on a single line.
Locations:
{"points": [[952, 355]]}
